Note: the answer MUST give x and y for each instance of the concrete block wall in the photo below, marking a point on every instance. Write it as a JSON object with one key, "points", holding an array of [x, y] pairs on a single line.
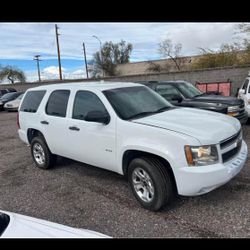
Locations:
{"points": [[236, 75]]}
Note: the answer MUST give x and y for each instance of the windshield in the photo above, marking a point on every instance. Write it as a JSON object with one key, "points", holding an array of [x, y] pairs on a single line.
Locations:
{"points": [[188, 90], [136, 102], [20, 97]]}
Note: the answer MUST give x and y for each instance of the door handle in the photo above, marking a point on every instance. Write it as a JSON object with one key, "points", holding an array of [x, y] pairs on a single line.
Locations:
{"points": [[74, 128], [44, 122]]}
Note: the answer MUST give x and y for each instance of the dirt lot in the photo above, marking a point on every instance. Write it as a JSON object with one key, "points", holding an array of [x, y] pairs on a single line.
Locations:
{"points": [[82, 196]]}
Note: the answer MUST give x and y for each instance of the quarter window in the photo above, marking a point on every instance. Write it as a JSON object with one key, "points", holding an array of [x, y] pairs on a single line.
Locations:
{"points": [[57, 103], [86, 101], [32, 101]]}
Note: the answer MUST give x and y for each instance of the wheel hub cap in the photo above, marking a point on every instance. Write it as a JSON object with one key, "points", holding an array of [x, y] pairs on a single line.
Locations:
{"points": [[143, 184], [38, 153]]}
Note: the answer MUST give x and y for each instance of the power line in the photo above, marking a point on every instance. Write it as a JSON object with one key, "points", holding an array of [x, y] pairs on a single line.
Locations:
{"points": [[58, 52], [36, 58]]}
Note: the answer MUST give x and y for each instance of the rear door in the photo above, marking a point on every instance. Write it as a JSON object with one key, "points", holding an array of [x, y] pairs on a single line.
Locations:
{"points": [[54, 122]]}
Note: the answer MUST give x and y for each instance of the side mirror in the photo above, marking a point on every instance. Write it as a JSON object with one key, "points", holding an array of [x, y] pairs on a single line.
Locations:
{"points": [[97, 116], [242, 91], [177, 98]]}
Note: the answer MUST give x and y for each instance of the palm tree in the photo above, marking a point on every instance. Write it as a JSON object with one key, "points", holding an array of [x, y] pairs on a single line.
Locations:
{"points": [[12, 74]]}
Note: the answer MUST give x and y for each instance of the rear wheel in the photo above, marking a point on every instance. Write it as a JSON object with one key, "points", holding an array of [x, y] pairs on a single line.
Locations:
{"points": [[150, 183], [41, 154]]}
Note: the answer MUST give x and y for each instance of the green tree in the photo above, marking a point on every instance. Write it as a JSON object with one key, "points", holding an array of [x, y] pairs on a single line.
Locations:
{"points": [[12, 74], [110, 56], [228, 55], [173, 51]]}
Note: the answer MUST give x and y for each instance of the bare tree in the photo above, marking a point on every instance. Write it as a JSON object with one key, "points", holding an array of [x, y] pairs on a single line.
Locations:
{"points": [[173, 51], [154, 67]]}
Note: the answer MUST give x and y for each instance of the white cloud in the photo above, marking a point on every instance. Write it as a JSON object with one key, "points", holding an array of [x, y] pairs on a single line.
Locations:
{"points": [[24, 40]]}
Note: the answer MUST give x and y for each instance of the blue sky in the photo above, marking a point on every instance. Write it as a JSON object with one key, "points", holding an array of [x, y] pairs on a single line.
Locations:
{"points": [[19, 42]]}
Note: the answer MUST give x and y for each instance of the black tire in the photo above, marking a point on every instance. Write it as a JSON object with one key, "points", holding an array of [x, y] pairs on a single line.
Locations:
{"points": [[49, 158], [160, 178]]}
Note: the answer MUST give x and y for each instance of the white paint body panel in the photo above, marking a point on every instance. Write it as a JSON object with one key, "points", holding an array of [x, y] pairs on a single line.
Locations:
{"points": [[21, 226], [164, 134], [246, 97]]}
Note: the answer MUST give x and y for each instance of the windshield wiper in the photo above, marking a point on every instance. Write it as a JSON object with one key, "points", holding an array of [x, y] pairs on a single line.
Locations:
{"points": [[163, 109], [199, 95], [138, 115], [148, 113]]}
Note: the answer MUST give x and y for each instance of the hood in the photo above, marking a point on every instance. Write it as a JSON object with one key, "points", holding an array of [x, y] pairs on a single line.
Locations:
{"points": [[21, 226], [213, 106], [228, 100], [14, 103], [206, 126]]}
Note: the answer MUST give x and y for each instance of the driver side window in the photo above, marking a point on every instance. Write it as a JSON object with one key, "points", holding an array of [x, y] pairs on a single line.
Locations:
{"points": [[86, 101], [168, 92]]}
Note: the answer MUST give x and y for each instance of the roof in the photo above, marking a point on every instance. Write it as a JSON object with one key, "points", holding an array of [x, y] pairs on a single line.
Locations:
{"points": [[87, 85]]}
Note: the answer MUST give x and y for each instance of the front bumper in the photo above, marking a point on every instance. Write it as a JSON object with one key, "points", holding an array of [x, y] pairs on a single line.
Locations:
{"points": [[242, 117], [192, 181], [10, 108]]}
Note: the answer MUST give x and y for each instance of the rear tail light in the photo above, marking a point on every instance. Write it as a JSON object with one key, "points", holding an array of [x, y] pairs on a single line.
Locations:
{"points": [[17, 120]]}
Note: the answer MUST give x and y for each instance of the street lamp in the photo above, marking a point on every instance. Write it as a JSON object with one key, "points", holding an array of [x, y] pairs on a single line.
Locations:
{"points": [[100, 52]]}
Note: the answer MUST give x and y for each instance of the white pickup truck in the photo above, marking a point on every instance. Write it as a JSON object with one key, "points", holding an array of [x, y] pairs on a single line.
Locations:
{"points": [[131, 130]]}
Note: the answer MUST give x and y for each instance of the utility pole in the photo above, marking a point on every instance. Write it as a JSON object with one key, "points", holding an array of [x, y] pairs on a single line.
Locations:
{"points": [[86, 65], [36, 58], [58, 52]]}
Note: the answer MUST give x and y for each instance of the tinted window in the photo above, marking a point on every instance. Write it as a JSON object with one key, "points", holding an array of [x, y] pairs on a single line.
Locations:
{"points": [[188, 90], [32, 101], [167, 91], [57, 103], [85, 102]]}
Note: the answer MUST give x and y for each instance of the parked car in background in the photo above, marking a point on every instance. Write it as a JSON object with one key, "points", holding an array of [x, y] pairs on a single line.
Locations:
{"points": [[185, 94], [13, 105], [5, 91], [244, 94], [14, 225], [8, 97], [160, 148]]}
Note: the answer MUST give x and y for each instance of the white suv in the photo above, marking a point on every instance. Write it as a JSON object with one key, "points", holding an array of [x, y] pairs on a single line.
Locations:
{"points": [[131, 130], [244, 94]]}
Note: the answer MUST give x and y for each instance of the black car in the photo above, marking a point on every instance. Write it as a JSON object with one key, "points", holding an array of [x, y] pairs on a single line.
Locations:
{"points": [[8, 97], [185, 94], [5, 91]]}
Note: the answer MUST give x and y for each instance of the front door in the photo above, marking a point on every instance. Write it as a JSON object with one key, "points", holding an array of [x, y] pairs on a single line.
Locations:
{"points": [[91, 142]]}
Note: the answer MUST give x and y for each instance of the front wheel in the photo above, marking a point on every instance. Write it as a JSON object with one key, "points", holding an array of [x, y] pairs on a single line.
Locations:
{"points": [[41, 154], [150, 183]]}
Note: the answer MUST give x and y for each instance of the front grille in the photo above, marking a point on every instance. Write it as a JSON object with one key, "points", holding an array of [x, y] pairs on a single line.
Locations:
{"points": [[229, 140], [231, 153]]}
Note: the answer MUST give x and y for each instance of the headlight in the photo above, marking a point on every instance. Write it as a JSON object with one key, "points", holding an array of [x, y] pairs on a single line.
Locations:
{"points": [[233, 110], [201, 155]]}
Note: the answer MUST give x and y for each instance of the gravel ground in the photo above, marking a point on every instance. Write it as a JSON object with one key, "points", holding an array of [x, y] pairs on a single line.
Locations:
{"points": [[79, 195]]}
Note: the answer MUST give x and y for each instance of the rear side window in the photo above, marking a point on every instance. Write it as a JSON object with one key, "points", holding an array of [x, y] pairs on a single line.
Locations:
{"points": [[85, 102], [32, 101], [57, 103]]}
